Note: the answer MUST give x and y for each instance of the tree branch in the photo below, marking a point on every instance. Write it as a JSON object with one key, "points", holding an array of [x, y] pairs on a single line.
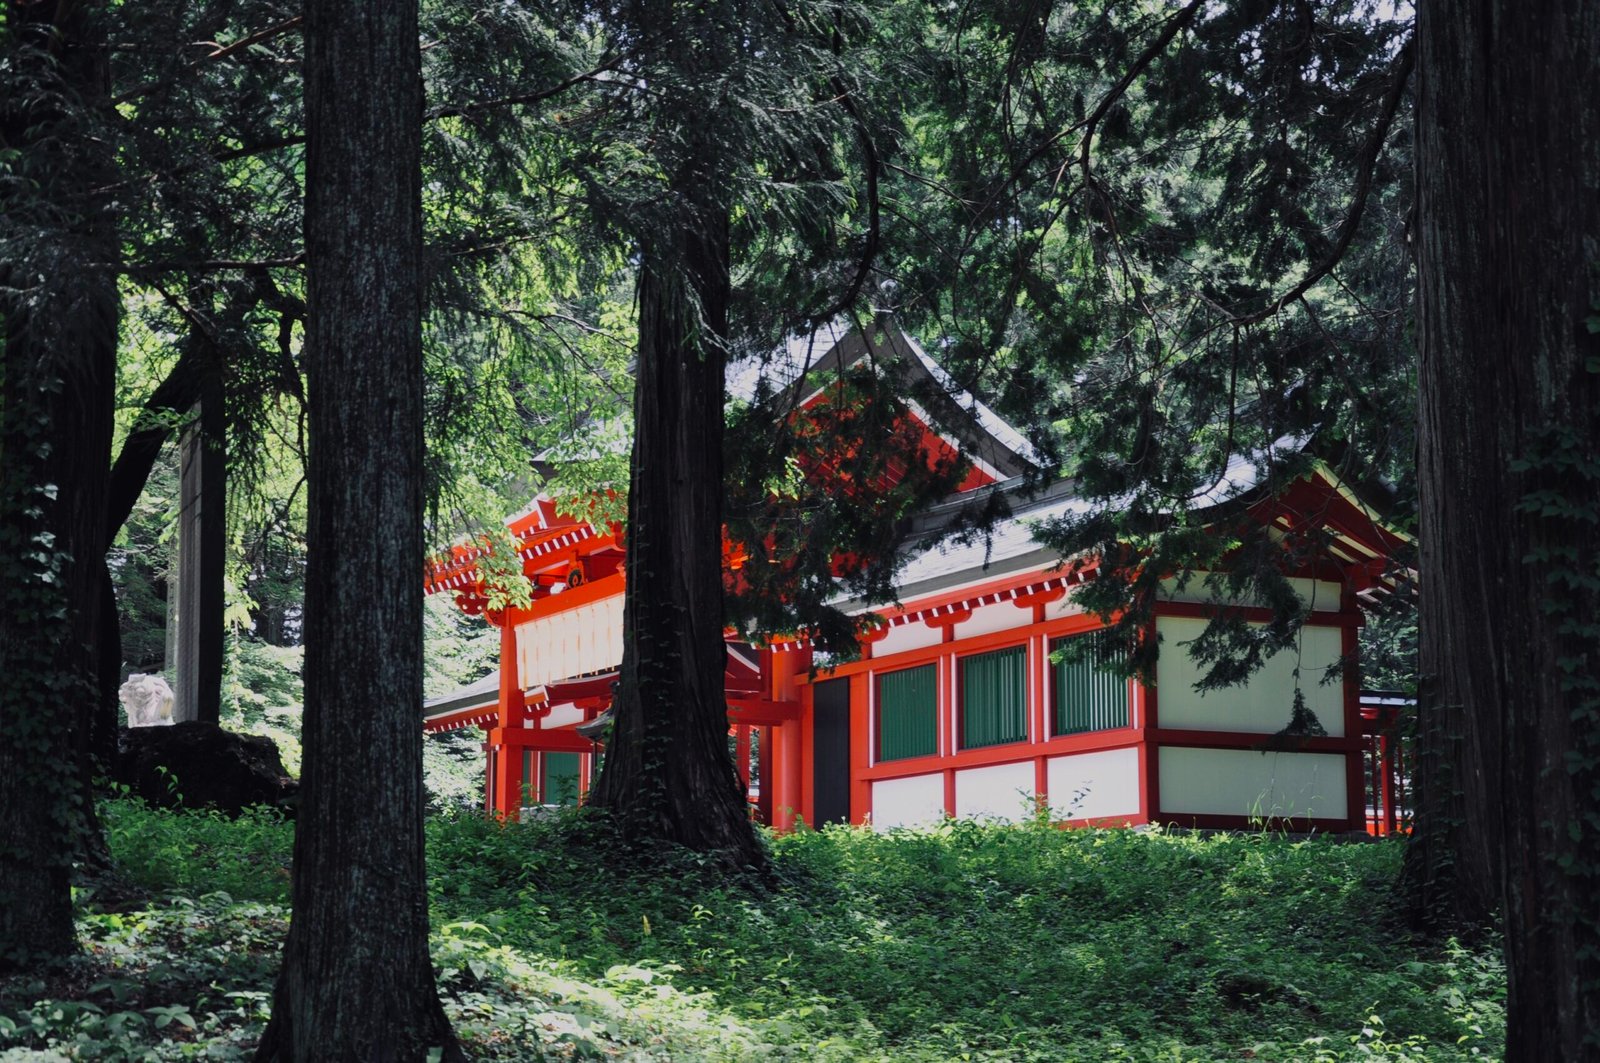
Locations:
{"points": [[211, 265], [461, 110], [177, 393], [466, 110], [219, 51], [1366, 164]]}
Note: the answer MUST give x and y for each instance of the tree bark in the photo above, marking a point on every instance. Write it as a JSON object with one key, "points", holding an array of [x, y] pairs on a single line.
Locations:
{"points": [[60, 332], [668, 775], [356, 982], [1508, 163]]}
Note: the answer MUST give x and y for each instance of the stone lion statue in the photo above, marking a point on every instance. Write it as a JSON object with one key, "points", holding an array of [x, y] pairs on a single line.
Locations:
{"points": [[148, 700]]}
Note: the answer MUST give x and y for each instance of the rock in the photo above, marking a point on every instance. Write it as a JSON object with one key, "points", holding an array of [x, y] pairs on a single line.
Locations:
{"points": [[148, 700], [205, 767]]}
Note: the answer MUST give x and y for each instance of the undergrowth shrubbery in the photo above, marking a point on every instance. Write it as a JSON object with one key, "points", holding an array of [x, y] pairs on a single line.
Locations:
{"points": [[962, 942]]}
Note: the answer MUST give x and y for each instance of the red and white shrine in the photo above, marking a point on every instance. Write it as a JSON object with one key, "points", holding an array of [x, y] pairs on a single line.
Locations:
{"points": [[956, 706]]}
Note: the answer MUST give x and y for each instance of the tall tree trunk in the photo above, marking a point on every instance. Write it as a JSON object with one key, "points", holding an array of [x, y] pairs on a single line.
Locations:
{"points": [[356, 982], [60, 334], [1508, 154], [668, 774]]}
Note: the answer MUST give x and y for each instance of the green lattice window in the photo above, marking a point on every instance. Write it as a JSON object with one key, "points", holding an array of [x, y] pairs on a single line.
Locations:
{"points": [[560, 779], [994, 700], [1086, 693], [908, 713]]}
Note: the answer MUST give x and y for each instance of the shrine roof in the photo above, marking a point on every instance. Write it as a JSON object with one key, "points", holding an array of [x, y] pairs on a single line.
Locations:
{"points": [[464, 706], [1009, 545], [810, 361]]}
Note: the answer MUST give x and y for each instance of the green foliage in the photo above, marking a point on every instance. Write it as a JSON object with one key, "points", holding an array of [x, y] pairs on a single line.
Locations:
{"points": [[190, 851], [452, 770], [140, 560], [457, 649], [504, 585], [1173, 233], [262, 692], [960, 942], [1389, 652], [260, 677]]}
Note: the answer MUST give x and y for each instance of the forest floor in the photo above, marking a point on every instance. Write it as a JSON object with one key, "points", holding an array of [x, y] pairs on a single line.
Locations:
{"points": [[964, 942]]}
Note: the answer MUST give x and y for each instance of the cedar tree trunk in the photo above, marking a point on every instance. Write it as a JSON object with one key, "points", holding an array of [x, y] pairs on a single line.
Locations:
{"points": [[357, 983], [1508, 165], [668, 774], [59, 315]]}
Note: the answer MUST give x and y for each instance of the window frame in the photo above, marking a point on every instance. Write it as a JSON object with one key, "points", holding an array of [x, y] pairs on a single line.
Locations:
{"points": [[1052, 691], [932, 667], [959, 695]]}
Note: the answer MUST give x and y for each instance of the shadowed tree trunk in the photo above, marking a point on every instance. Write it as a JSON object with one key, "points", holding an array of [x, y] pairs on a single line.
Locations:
{"points": [[668, 774], [1508, 162], [356, 982], [59, 319]]}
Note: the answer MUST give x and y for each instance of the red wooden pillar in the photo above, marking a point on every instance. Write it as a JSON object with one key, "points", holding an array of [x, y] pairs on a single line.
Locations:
{"points": [[1149, 753], [783, 792], [506, 795], [1355, 778], [505, 753], [860, 747], [741, 754], [1387, 767], [789, 790], [764, 769], [491, 759], [1038, 728], [949, 715]]}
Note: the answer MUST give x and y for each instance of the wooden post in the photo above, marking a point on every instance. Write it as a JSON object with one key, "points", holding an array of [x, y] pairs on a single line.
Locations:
{"points": [[764, 770], [1387, 768], [741, 754], [505, 781]]}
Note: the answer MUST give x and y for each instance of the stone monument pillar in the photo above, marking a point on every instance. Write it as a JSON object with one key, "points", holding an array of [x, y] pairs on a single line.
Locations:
{"points": [[194, 618]]}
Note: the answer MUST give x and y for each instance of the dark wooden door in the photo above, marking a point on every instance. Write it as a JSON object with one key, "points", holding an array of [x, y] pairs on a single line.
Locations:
{"points": [[831, 752]]}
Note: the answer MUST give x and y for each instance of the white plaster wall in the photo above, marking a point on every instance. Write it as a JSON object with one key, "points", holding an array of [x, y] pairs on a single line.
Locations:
{"points": [[1321, 595], [1001, 791], [1241, 782], [1262, 705], [912, 636], [915, 801], [561, 716], [1063, 606], [1094, 785], [1002, 616]]}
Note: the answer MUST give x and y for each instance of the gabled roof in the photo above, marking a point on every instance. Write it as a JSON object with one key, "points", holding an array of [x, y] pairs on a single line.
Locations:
{"points": [[803, 366], [806, 364]]}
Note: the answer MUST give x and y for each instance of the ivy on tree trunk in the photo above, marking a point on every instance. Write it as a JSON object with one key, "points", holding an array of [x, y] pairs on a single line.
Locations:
{"points": [[1508, 219], [59, 317]]}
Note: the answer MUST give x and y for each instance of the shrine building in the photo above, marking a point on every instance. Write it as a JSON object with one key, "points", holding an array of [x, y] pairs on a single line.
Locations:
{"points": [[958, 704]]}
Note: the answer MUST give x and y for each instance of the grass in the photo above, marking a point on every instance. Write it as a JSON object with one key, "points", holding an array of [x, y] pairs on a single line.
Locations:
{"points": [[963, 942]]}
